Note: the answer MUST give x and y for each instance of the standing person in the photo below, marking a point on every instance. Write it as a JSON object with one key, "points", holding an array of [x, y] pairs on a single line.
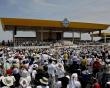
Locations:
{"points": [[1, 70], [25, 75], [96, 67], [65, 81], [96, 84], [66, 57], [107, 85], [74, 83], [16, 74], [60, 71], [51, 72], [84, 63]]}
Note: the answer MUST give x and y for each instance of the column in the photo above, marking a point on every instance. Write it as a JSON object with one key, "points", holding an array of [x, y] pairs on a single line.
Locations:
{"points": [[105, 38], [36, 36], [80, 36], [14, 33], [73, 36], [61, 35], [13, 38], [92, 37], [42, 36]]}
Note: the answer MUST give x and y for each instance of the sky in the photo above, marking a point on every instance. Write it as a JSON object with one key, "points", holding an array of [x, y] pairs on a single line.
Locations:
{"points": [[95, 11]]}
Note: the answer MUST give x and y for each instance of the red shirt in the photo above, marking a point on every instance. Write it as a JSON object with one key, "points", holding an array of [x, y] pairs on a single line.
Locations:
{"points": [[9, 71], [96, 85]]}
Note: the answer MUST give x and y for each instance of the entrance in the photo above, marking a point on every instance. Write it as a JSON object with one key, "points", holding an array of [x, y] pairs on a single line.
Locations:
{"points": [[59, 36]]}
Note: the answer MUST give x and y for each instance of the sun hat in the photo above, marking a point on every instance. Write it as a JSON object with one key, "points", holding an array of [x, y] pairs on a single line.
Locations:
{"points": [[23, 82], [68, 76], [44, 80], [8, 81], [75, 75], [15, 71], [108, 83], [35, 66]]}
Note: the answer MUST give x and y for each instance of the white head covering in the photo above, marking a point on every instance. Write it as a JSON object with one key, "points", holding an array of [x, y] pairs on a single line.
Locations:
{"points": [[58, 84], [74, 83]]}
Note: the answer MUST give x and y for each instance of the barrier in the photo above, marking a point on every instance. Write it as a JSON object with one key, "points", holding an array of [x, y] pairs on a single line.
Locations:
{"points": [[30, 47]]}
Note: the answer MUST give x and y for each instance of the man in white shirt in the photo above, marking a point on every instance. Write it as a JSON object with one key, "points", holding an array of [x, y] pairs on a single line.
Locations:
{"points": [[60, 71], [51, 72]]}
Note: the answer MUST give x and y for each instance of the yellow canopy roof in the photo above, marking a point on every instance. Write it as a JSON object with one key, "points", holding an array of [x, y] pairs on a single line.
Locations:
{"points": [[9, 23]]}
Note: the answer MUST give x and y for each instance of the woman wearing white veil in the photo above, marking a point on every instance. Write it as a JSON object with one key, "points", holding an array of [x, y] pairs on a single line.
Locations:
{"points": [[74, 83]]}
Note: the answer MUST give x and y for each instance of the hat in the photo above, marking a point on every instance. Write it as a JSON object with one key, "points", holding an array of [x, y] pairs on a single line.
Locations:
{"points": [[35, 66], [60, 65], [108, 83], [68, 76], [37, 56], [15, 70], [59, 83], [51, 54], [8, 49], [75, 75], [23, 82], [44, 80], [8, 81], [53, 59]]}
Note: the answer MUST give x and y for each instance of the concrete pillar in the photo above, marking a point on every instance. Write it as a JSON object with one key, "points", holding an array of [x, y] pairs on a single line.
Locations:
{"points": [[105, 39], [42, 36], [13, 39], [92, 37], [73, 36], [14, 33], [62, 35], [80, 36]]}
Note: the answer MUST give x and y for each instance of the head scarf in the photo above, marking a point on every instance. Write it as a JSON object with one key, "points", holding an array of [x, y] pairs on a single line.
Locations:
{"points": [[74, 83]]}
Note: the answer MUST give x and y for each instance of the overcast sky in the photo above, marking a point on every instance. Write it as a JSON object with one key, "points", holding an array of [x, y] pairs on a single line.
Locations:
{"points": [[96, 11]]}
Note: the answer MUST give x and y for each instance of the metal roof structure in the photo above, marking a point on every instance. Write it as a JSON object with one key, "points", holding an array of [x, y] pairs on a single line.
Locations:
{"points": [[34, 24]]}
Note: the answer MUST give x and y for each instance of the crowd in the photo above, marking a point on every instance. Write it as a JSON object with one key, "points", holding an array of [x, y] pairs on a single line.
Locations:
{"points": [[10, 43], [81, 67]]}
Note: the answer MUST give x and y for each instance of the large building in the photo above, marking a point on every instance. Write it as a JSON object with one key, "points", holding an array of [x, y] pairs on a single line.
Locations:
{"points": [[105, 37], [48, 30]]}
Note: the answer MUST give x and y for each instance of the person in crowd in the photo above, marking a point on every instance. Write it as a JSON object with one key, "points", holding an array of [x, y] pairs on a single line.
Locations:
{"points": [[74, 83], [96, 67], [65, 81], [84, 63], [95, 83], [60, 72], [44, 83], [48, 68], [52, 73]]}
